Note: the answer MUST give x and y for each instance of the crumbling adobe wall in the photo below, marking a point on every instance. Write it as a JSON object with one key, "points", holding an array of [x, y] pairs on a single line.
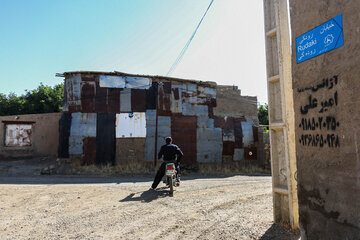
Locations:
{"points": [[229, 102], [327, 115], [44, 135]]}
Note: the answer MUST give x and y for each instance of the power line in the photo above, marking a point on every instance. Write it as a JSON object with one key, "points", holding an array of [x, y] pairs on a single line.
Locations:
{"points": [[179, 58]]}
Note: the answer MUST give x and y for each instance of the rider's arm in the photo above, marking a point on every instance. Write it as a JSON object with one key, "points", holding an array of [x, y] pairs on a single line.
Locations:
{"points": [[161, 152], [179, 153]]}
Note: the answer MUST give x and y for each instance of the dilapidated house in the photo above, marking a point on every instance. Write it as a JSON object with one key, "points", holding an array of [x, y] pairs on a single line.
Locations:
{"points": [[122, 119]]}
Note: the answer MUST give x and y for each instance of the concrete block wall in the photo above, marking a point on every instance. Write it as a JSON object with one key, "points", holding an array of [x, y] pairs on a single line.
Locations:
{"points": [[326, 88]]}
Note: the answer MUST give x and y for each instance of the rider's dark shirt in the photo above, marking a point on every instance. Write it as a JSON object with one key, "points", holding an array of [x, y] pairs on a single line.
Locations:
{"points": [[170, 151]]}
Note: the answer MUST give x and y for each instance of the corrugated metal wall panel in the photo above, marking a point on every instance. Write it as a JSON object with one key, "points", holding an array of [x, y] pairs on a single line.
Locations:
{"points": [[247, 132], [209, 144], [183, 132], [239, 154], [125, 100], [229, 135], [164, 130], [88, 96], [64, 134], [89, 150], [73, 93], [101, 99], [113, 103], [106, 81], [238, 133], [151, 96], [105, 138], [138, 100], [228, 148], [250, 153], [150, 135], [124, 82], [82, 125], [194, 110], [164, 99], [176, 99]]}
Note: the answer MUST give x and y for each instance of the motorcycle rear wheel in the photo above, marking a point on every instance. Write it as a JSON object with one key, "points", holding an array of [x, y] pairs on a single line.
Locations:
{"points": [[171, 185]]}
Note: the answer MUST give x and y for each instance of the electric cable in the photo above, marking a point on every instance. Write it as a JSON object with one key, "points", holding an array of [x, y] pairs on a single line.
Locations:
{"points": [[179, 58]]}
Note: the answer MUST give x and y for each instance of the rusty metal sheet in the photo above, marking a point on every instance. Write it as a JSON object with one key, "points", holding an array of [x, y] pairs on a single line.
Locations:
{"points": [[183, 132], [228, 148], [113, 102], [73, 93], [125, 100], [151, 96], [88, 96], [89, 151], [176, 100], [18, 135], [89, 78], [224, 122], [238, 133], [164, 99], [64, 134], [250, 153], [101, 99], [138, 100]]}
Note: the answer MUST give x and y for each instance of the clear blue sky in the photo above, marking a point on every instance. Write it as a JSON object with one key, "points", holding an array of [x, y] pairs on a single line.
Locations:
{"points": [[41, 37]]}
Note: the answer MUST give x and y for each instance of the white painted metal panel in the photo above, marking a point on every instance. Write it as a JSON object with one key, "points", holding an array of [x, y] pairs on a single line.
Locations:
{"points": [[131, 125], [124, 82]]}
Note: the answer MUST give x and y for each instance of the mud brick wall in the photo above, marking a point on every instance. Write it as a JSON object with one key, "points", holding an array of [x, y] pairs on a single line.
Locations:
{"points": [[326, 93], [41, 138]]}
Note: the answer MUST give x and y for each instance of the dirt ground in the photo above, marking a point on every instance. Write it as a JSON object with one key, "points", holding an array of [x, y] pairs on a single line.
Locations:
{"points": [[78, 207]]}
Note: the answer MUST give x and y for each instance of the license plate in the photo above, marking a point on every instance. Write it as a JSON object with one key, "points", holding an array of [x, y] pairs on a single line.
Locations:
{"points": [[170, 172]]}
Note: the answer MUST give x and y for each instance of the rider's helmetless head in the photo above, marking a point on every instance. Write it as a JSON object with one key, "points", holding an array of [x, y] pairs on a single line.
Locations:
{"points": [[168, 140]]}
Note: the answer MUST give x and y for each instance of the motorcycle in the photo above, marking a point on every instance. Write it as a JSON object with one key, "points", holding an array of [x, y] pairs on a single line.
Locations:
{"points": [[171, 180]]}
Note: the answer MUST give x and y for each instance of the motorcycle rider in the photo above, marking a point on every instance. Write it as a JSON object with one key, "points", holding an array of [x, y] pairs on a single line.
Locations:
{"points": [[170, 152]]}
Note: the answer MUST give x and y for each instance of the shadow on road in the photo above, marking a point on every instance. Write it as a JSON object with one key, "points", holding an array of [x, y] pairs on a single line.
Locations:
{"points": [[279, 233], [147, 196]]}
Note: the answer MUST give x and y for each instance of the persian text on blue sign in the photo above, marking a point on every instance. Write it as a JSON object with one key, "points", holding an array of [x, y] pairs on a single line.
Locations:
{"points": [[324, 38]]}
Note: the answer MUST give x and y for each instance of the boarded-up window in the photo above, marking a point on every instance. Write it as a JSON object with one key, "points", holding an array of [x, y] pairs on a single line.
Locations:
{"points": [[131, 125], [18, 135]]}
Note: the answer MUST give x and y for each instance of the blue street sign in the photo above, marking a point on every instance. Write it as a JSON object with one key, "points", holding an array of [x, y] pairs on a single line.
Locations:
{"points": [[324, 38]]}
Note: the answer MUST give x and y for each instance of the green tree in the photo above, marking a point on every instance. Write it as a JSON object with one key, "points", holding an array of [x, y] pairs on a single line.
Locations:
{"points": [[44, 99], [263, 115]]}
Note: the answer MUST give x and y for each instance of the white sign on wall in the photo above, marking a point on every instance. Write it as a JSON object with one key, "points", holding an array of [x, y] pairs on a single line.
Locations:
{"points": [[131, 125]]}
